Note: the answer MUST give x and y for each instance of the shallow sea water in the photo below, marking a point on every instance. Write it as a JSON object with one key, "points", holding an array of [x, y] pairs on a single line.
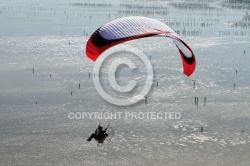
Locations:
{"points": [[51, 36]]}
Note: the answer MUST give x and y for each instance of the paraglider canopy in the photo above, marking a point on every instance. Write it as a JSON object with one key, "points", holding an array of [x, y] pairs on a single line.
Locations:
{"points": [[130, 28]]}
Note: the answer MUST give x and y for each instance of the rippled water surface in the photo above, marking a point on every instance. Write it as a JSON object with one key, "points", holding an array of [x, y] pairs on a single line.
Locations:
{"points": [[50, 37]]}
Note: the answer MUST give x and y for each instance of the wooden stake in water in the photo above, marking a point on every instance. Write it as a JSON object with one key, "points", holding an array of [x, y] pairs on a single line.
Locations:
{"points": [[205, 100], [197, 101], [146, 100], [71, 93], [89, 75], [79, 86], [33, 71]]}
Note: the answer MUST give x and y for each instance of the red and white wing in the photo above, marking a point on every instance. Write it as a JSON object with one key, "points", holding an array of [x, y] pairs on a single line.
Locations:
{"points": [[130, 28]]}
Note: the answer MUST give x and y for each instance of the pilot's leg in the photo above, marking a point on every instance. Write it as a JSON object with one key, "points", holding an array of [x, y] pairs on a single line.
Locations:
{"points": [[92, 136]]}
